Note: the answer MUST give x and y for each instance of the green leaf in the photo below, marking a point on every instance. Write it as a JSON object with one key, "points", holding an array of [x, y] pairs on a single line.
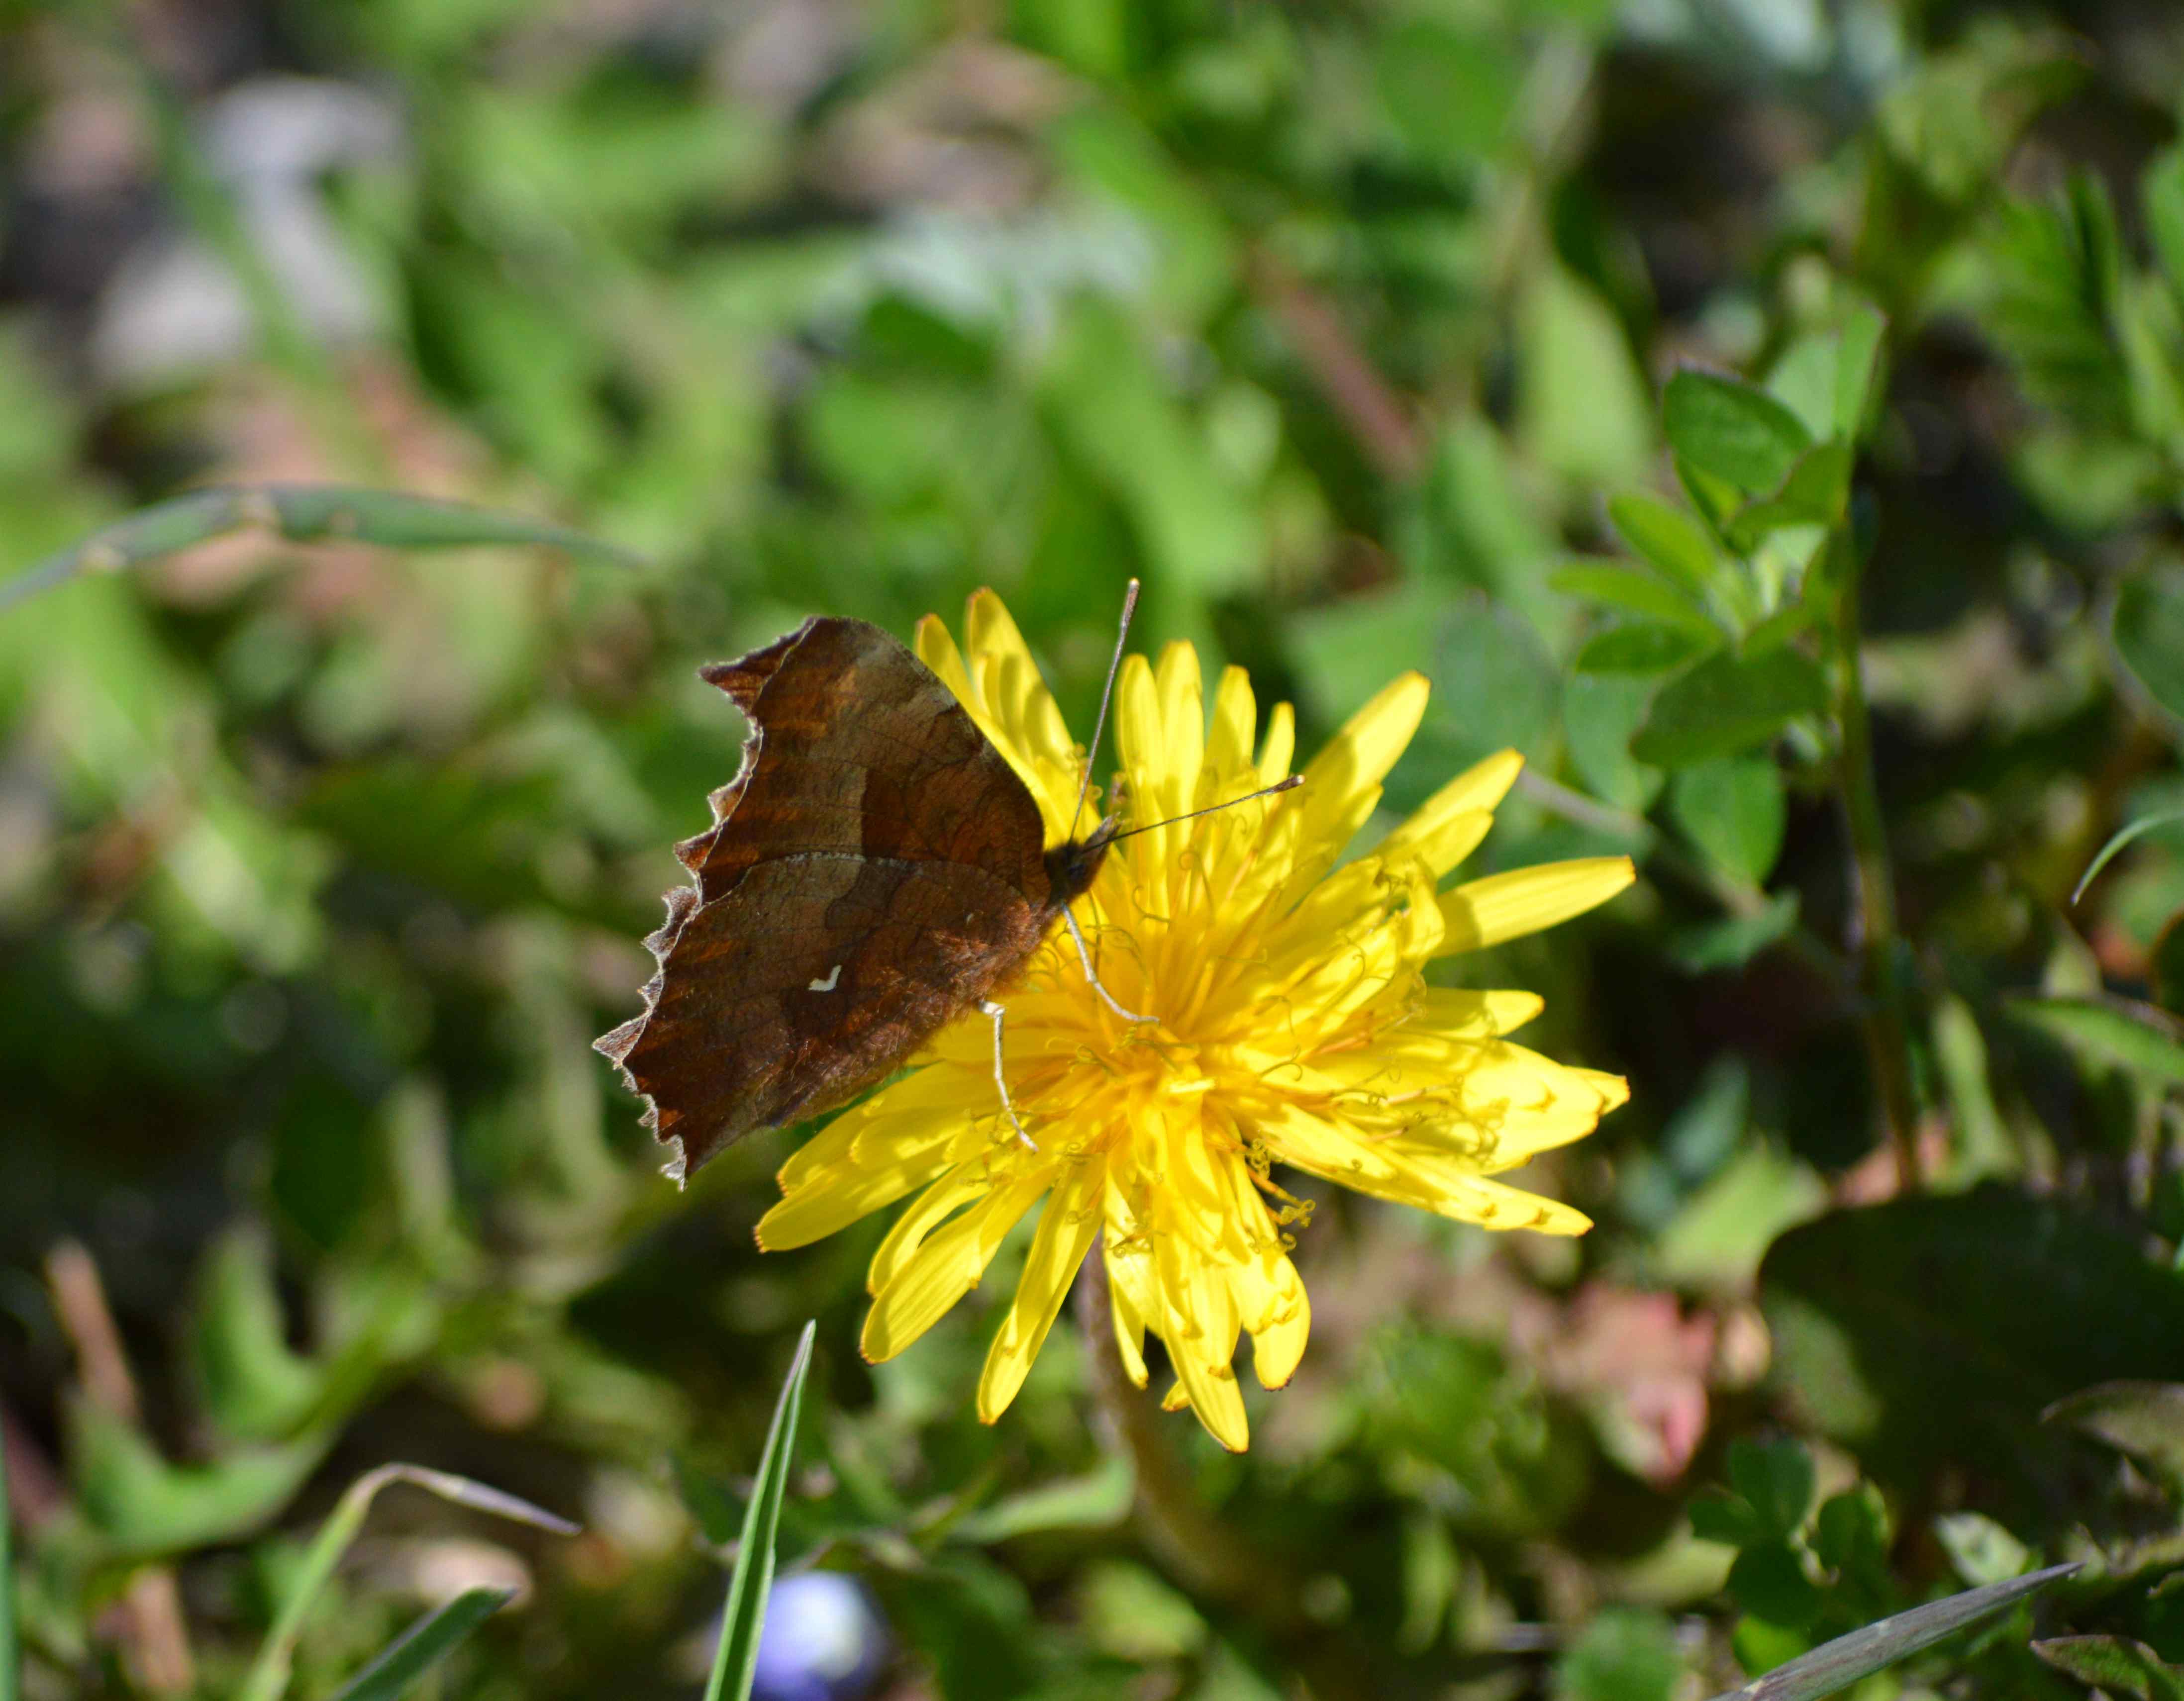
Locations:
{"points": [[1986, 1305], [1667, 537], [2111, 1032], [2145, 1420], [1450, 94], [2114, 1665], [1633, 589], [1735, 810], [1769, 1582], [1851, 1538], [1860, 372], [1600, 712], [736, 1659], [1982, 1550], [1623, 1653], [2148, 630], [2056, 269], [2162, 188], [1814, 494], [1583, 408], [302, 514], [1736, 940], [1837, 1665], [1109, 153], [1775, 1479], [1732, 430], [1647, 648], [1116, 410], [1097, 1501], [1495, 685], [1725, 1518], [424, 1645], [141, 1505], [255, 1386], [1727, 704]]}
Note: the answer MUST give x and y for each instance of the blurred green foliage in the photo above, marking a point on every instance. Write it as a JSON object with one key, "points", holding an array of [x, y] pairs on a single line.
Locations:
{"points": [[1767, 416]]}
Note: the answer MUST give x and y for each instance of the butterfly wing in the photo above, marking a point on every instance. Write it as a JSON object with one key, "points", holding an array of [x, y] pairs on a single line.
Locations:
{"points": [[873, 869]]}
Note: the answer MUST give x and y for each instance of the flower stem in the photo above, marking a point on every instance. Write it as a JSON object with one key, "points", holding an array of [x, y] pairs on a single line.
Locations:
{"points": [[1199, 1551], [1887, 1036], [1196, 1548]]}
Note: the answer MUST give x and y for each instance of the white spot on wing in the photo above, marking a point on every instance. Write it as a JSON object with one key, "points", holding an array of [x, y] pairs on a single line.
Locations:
{"points": [[833, 975]]}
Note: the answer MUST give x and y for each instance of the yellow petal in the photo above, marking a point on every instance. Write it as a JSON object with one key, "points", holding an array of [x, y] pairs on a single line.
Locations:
{"points": [[1280, 745], [1139, 740], [1277, 1314], [1448, 1188], [830, 1146], [935, 1205], [1229, 742], [1130, 1296], [1199, 1325], [1486, 912], [1182, 718], [1065, 1231], [1482, 785], [938, 650], [1342, 783], [834, 1199], [943, 1270], [1440, 841], [1460, 1014], [1025, 739], [991, 631]]}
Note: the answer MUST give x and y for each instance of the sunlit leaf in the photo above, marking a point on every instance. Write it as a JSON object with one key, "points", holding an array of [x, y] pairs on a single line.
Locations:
{"points": [[1731, 429], [1735, 810], [1645, 647], [2145, 1420], [1667, 536], [1639, 591], [1726, 705], [1093, 1502], [2111, 1031], [2116, 1665]]}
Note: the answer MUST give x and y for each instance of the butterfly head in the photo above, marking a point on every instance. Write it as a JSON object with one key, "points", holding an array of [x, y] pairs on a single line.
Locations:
{"points": [[1072, 865]]}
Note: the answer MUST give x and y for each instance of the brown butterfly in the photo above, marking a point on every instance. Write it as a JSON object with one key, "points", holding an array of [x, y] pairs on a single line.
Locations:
{"points": [[875, 870]]}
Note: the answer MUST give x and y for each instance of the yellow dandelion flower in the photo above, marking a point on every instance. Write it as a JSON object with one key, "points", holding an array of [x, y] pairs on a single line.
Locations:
{"points": [[1293, 1027]]}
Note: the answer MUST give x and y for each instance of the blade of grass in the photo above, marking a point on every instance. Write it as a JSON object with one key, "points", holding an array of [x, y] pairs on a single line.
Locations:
{"points": [[302, 514], [424, 1645], [2122, 837], [736, 1660], [8, 1673], [1837, 1665], [268, 1679]]}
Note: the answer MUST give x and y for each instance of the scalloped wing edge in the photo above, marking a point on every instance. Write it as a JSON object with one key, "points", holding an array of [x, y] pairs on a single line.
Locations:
{"points": [[742, 680]]}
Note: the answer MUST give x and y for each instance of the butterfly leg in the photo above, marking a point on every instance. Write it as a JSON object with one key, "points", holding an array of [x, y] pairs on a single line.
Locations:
{"points": [[1084, 956], [1001, 1078]]}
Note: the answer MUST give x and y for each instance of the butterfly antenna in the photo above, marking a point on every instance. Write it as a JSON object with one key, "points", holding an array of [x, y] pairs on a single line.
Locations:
{"points": [[1107, 697], [1287, 784]]}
